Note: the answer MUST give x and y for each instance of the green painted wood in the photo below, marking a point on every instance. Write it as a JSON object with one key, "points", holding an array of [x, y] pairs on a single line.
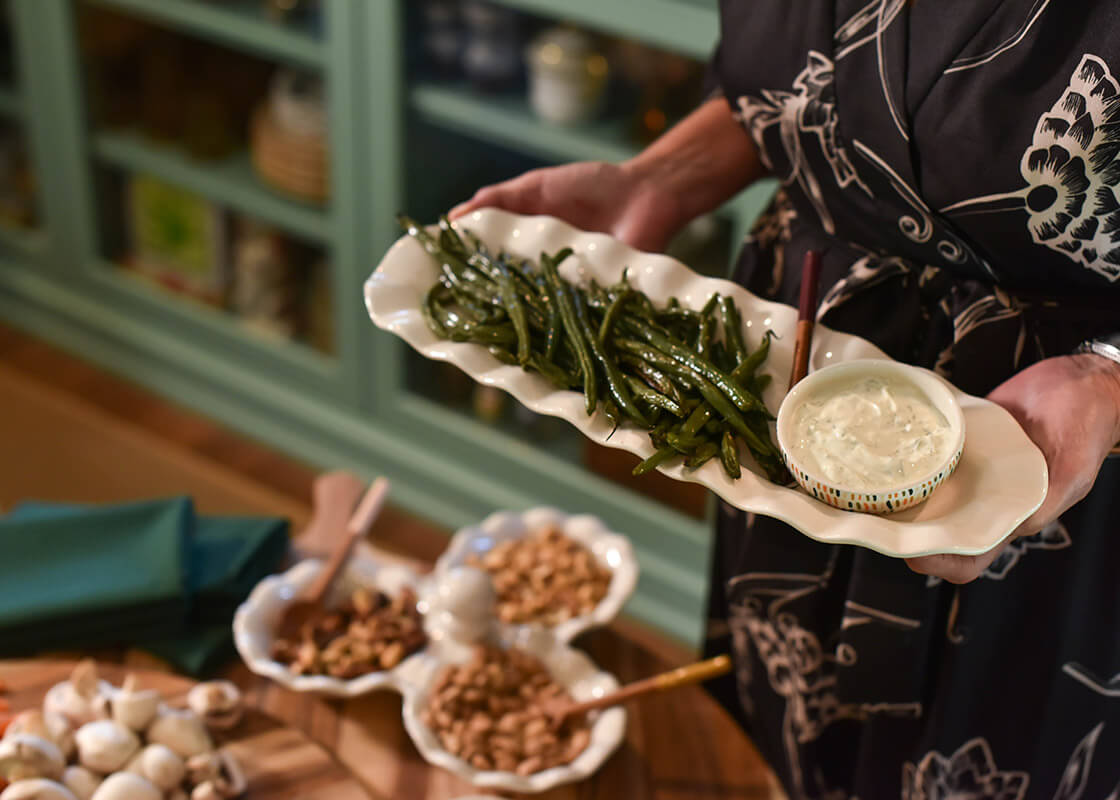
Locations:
{"points": [[206, 324], [686, 27], [11, 107], [509, 121], [231, 182], [382, 69], [50, 86], [242, 26], [27, 243], [349, 251]]}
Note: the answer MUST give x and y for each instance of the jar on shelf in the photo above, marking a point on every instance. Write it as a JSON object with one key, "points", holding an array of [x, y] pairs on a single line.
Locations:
{"points": [[266, 280], [492, 50], [442, 36], [567, 76]]}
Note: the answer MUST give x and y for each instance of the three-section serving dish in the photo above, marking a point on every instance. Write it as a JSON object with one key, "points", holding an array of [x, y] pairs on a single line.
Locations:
{"points": [[459, 605]]}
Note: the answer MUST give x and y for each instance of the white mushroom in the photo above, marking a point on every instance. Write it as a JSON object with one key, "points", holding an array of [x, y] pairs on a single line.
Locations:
{"points": [[159, 765], [105, 746], [217, 702], [49, 725], [25, 756], [82, 698], [134, 707], [37, 789], [126, 786], [182, 731], [81, 781], [228, 782], [203, 767]]}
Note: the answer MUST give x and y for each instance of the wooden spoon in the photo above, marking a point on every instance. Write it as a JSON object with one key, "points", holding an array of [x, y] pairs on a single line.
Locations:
{"points": [[310, 604], [681, 676]]}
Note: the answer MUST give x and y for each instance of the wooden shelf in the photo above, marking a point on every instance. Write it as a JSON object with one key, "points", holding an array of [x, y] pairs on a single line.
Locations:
{"points": [[10, 105], [25, 241], [242, 26], [231, 182], [223, 326], [506, 119], [690, 27]]}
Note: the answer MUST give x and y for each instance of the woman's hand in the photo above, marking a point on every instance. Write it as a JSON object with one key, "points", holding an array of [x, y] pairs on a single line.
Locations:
{"points": [[1070, 407], [694, 168], [609, 198]]}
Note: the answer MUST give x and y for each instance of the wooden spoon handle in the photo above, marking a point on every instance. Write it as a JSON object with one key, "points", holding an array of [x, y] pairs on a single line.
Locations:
{"points": [[335, 495], [359, 525], [693, 673]]}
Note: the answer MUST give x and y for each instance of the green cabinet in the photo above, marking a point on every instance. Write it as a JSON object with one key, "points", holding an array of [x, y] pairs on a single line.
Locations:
{"points": [[362, 404]]}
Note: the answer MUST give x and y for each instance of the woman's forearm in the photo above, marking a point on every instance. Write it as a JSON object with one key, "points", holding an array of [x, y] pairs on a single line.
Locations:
{"points": [[703, 160]]}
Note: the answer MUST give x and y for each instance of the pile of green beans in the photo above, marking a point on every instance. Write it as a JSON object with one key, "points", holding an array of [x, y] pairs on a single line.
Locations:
{"points": [[684, 376]]}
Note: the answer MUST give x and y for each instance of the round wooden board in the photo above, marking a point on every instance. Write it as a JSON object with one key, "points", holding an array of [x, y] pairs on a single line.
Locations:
{"points": [[279, 761]]}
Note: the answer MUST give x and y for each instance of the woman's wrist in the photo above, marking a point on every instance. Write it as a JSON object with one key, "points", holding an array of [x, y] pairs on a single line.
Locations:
{"points": [[1103, 377], [698, 164]]}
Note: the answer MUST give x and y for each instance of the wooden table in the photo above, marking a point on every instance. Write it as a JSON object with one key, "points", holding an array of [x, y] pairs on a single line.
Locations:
{"points": [[679, 746]]}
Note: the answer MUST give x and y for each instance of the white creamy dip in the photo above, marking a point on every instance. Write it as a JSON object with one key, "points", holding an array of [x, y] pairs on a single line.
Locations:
{"points": [[869, 433]]}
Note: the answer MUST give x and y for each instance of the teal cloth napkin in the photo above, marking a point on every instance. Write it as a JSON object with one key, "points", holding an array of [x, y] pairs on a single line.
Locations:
{"points": [[130, 599]]}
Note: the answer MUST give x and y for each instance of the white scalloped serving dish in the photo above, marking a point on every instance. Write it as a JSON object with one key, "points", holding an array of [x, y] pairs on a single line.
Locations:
{"points": [[1000, 481], [256, 619], [571, 668], [612, 550]]}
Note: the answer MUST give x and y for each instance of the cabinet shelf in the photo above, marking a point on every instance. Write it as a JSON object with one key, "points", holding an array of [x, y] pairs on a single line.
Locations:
{"points": [[243, 27], [690, 28], [230, 182], [24, 241], [215, 324], [10, 105], [508, 120]]}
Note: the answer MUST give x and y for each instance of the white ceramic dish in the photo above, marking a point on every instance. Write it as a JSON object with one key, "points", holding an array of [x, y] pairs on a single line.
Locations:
{"points": [[1001, 479], [255, 622], [884, 499], [610, 549], [569, 667]]}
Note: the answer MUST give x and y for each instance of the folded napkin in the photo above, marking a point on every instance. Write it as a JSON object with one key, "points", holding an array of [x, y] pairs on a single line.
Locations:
{"points": [[151, 574]]}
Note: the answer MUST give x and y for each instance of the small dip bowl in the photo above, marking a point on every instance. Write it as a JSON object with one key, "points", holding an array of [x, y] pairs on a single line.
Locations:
{"points": [[888, 498]]}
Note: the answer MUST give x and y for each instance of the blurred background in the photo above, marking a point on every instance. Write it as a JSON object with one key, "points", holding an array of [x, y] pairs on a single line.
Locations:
{"points": [[193, 191]]}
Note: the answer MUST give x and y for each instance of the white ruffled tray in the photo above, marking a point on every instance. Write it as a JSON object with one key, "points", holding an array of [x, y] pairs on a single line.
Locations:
{"points": [[1001, 479]]}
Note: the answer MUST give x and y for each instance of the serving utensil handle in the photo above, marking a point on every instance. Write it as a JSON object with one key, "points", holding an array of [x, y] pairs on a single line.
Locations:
{"points": [[359, 525]]}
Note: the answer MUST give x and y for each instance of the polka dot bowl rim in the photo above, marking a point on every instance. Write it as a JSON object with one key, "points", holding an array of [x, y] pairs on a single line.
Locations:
{"points": [[880, 499]]}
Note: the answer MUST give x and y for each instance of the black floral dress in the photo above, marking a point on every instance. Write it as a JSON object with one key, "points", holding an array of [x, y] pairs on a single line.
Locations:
{"points": [[957, 162]]}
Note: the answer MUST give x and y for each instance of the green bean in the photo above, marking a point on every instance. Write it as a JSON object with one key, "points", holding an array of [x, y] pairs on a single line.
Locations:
{"points": [[732, 329], [755, 359], [513, 306], [729, 454], [652, 397], [715, 377], [704, 331], [613, 311], [571, 326], [657, 380], [660, 456], [615, 383], [724, 407], [703, 454]]}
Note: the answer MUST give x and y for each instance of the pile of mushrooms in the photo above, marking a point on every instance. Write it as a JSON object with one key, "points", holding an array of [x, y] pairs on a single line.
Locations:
{"points": [[94, 741]]}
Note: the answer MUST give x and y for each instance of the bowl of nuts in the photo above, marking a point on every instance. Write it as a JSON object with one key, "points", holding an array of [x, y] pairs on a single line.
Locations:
{"points": [[481, 713], [567, 573], [368, 637]]}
